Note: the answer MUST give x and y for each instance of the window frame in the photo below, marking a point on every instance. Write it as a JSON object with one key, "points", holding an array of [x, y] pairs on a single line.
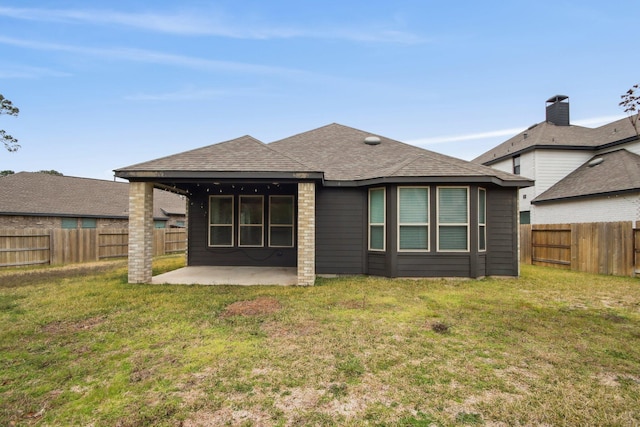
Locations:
{"points": [[452, 224], [482, 225], [292, 225], [241, 225], [516, 164], [377, 224], [232, 224], [415, 224]]}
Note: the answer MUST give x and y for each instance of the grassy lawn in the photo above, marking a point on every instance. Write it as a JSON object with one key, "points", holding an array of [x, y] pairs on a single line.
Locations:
{"points": [[83, 347]]}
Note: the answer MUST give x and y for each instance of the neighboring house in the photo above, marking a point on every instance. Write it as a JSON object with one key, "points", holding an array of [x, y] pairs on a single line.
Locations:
{"points": [[334, 200], [39, 200], [581, 174]]}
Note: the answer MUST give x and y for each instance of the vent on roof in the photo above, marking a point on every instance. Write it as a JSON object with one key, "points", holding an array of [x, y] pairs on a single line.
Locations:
{"points": [[372, 140], [595, 162]]}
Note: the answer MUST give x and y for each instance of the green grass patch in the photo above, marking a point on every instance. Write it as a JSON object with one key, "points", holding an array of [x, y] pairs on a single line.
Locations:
{"points": [[80, 346]]}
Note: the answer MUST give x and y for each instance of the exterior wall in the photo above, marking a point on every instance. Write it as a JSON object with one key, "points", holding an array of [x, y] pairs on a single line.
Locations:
{"points": [[341, 233], [553, 165], [199, 253], [502, 232], [624, 207], [49, 222]]}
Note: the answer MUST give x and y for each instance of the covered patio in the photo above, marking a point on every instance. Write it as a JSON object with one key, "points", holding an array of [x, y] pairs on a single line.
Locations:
{"points": [[228, 275]]}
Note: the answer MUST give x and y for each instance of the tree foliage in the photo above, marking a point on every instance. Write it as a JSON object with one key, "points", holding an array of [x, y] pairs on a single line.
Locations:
{"points": [[7, 107], [631, 104], [6, 172], [51, 172]]}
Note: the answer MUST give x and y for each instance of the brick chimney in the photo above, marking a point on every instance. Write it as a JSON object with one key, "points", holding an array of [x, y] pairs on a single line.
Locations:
{"points": [[558, 110]]}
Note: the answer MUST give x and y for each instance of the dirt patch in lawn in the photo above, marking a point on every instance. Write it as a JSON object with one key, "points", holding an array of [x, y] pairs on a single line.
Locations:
{"points": [[60, 327], [15, 278], [257, 307]]}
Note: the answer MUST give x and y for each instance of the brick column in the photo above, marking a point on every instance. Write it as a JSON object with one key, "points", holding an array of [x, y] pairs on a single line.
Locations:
{"points": [[306, 233], [140, 231]]}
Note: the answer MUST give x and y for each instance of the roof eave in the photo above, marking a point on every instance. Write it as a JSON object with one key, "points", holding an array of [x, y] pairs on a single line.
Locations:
{"points": [[586, 196], [430, 180], [153, 175], [540, 147]]}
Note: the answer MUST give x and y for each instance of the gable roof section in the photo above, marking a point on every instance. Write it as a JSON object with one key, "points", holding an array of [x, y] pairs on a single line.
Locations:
{"points": [[341, 152], [40, 194], [245, 155], [548, 135], [618, 172]]}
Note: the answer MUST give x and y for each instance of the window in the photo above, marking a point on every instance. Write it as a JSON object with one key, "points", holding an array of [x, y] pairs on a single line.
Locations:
{"points": [[89, 222], [376, 219], [516, 164], [69, 222], [281, 221], [160, 224], [251, 221], [453, 219], [525, 217], [482, 219], [413, 218], [221, 221]]}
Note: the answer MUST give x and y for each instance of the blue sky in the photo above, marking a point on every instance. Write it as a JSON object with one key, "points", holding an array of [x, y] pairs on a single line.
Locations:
{"points": [[101, 85]]}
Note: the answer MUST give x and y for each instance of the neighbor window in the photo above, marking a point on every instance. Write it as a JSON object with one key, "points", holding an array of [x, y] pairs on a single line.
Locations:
{"points": [[376, 219], [89, 223], [453, 219], [413, 222], [516, 164], [482, 219], [251, 221], [160, 224], [69, 223], [281, 221], [221, 221]]}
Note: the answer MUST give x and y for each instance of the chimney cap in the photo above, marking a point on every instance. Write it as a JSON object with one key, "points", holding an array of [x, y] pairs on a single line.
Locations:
{"points": [[557, 98]]}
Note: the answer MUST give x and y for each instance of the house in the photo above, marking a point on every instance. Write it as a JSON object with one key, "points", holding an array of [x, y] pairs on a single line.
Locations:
{"points": [[581, 174], [333, 200], [40, 200]]}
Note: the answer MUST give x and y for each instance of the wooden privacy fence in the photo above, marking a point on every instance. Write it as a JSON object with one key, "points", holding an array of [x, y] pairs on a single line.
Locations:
{"points": [[599, 247], [66, 246]]}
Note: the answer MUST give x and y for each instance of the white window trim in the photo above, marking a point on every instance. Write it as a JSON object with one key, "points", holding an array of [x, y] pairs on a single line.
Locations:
{"points": [[484, 224], [383, 224], [417, 223], [222, 225], [240, 225], [292, 225], [451, 224]]}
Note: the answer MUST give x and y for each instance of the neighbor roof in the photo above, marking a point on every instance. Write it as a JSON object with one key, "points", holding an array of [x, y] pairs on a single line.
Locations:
{"points": [[335, 153], [549, 135], [41, 194], [610, 173]]}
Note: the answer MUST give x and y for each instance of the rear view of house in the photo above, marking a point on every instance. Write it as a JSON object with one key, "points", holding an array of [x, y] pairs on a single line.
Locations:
{"points": [[333, 200]]}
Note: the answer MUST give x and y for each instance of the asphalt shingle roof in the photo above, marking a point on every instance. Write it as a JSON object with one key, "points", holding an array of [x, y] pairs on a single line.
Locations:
{"points": [[338, 152], [32, 193], [617, 172], [244, 154], [548, 135]]}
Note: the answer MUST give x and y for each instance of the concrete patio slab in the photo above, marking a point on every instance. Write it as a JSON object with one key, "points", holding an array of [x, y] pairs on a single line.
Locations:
{"points": [[223, 275]]}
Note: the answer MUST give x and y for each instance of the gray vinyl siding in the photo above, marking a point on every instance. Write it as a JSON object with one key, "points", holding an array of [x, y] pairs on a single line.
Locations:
{"points": [[502, 232], [434, 265], [341, 235], [376, 264]]}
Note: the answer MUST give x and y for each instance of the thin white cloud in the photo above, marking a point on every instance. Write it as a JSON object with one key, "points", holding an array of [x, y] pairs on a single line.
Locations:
{"points": [[591, 122], [208, 24], [27, 72], [194, 94], [150, 56]]}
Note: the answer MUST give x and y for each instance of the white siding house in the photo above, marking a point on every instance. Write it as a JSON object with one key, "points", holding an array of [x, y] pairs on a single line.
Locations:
{"points": [[551, 152]]}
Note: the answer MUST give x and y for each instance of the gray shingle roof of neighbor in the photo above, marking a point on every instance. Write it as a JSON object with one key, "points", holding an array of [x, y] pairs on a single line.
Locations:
{"points": [[335, 153], [614, 172], [548, 135], [32, 193]]}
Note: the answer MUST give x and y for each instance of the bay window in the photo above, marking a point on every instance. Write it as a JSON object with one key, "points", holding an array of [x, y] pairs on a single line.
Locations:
{"points": [[377, 219], [413, 219], [453, 218]]}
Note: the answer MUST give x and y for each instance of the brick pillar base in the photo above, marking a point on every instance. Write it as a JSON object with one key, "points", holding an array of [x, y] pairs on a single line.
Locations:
{"points": [[140, 231], [306, 233]]}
